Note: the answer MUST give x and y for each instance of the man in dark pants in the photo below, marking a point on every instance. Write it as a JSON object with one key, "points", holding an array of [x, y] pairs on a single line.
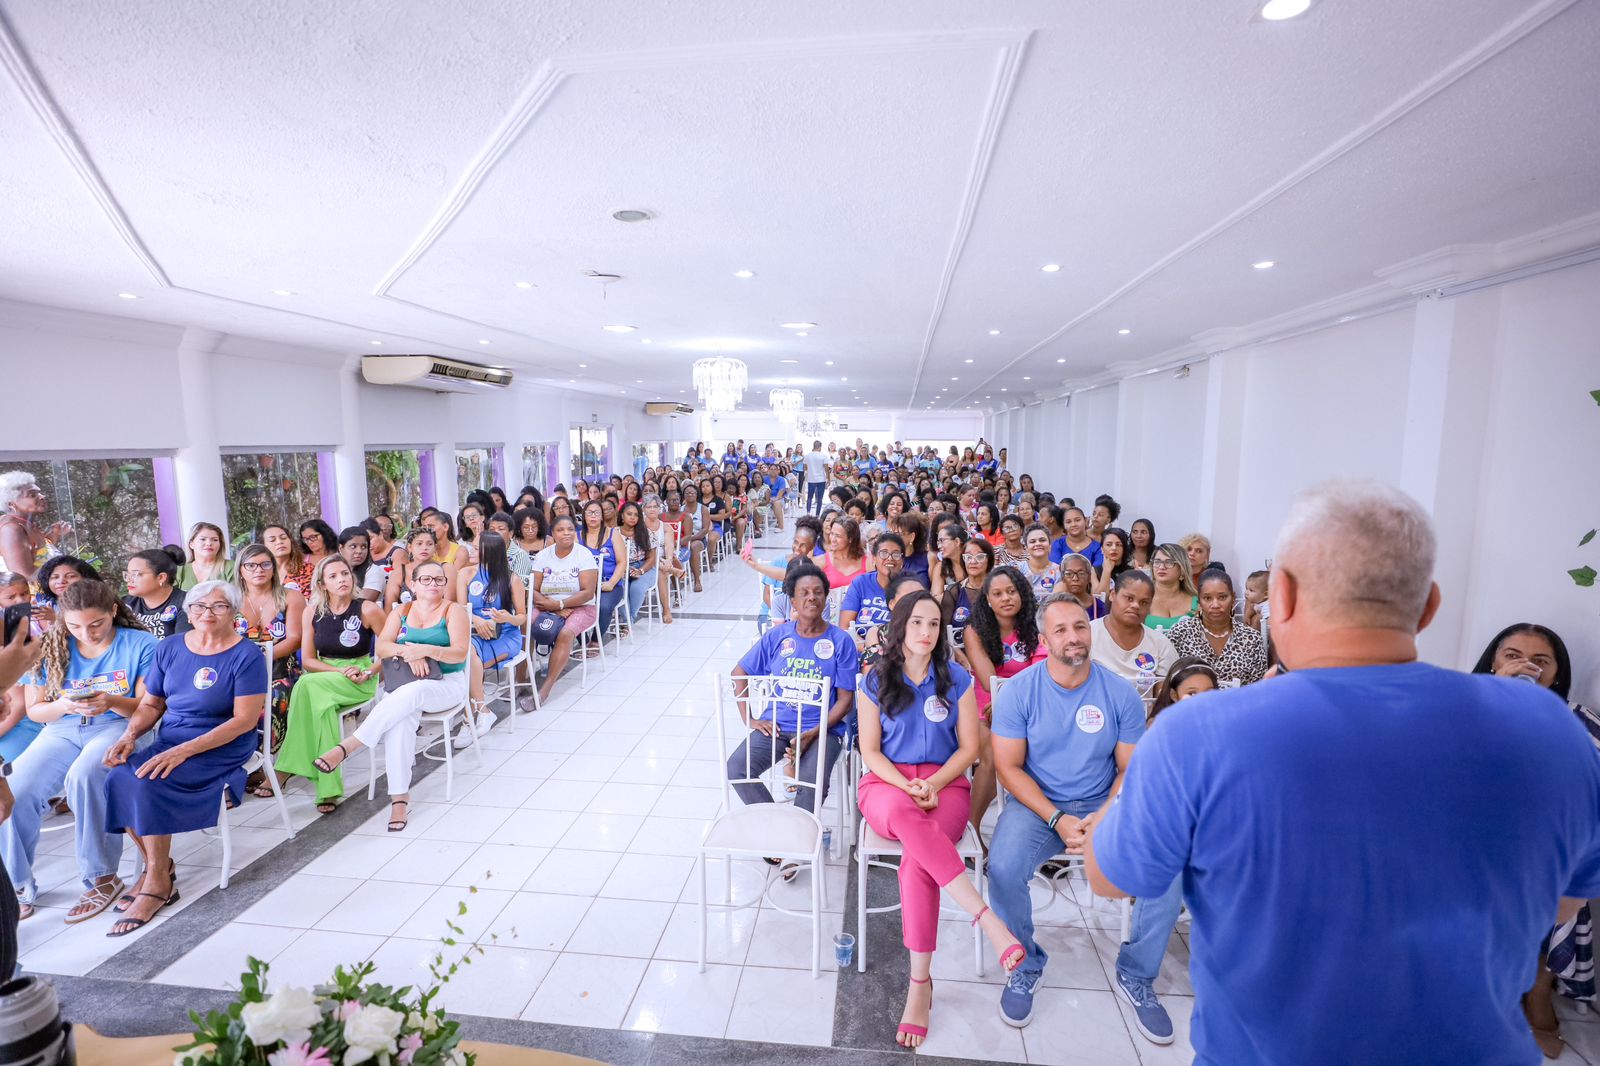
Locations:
{"points": [[815, 465]]}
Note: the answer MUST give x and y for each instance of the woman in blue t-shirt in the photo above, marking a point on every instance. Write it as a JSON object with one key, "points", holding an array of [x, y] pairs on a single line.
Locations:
{"points": [[203, 701], [90, 679], [917, 719]]}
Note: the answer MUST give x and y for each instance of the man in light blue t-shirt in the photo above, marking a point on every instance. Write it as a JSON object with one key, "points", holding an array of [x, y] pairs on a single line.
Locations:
{"points": [[1372, 848], [1063, 732]]}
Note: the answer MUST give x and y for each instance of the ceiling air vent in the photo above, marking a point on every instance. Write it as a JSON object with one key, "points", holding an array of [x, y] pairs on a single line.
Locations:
{"points": [[432, 372], [667, 407]]}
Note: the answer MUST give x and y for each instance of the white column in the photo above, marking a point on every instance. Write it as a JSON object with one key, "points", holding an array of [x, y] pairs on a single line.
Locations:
{"points": [[350, 451], [197, 466], [1125, 464], [446, 497], [1221, 450]]}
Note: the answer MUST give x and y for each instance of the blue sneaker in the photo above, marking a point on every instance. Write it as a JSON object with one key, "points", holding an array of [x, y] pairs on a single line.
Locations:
{"points": [[1148, 1013], [1016, 999]]}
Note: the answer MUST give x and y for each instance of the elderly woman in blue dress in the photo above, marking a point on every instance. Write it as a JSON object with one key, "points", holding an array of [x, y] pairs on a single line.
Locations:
{"points": [[204, 696]]}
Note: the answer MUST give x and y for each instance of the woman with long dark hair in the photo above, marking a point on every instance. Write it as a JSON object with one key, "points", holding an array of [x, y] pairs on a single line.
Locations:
{"points": [[497, 606], [317, 542], [1002, 640], [1116, 553], [1142, 542], [1535, 653], [917, 719], [642, 555]]}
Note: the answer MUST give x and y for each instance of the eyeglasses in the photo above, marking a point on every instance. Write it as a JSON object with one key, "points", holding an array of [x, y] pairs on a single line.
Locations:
{"points": [[214, 609], [1162, 564], [257, 566], [892, 557], [434, 580]]}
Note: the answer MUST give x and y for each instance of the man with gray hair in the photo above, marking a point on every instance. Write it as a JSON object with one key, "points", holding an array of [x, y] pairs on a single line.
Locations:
{"points": [[1372, 848]]}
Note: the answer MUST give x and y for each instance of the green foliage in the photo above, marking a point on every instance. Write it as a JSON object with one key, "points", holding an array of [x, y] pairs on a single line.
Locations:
{"points": [[1583, 576], [394, 483]]}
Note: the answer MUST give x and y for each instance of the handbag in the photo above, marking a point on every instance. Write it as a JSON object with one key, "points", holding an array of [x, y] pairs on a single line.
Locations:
{"points": [[397, 673]]}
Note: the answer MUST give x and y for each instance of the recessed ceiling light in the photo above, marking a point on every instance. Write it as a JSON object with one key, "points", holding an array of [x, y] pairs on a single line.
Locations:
{"points": [[954, 378], [967, 360], [788, 360], [1050, 268], [127, 295], [1123, 332], [572, 381], [994, 333], [827, 362], [1025, 377], [645, 340], [483, 342], [619, 329], [282, 292], [1278, 10], [1061, 360], [802, 333], [631, 215], [797, 325], [844, 379], [945, 389], [377, 343], [583, 366], [1002, 388], [1265, 264], [638, 381], [744, 273], [524, 284]]}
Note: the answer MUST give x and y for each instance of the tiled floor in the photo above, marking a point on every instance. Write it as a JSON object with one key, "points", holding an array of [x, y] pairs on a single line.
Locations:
{"points": [[572, 846]]}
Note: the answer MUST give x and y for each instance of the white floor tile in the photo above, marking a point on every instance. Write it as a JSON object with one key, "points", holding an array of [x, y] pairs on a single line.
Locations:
{"points": [[497, 982], [965, 1024], [784, 1005], [613, 744], [602, 832], [1076, 960], [538, 920], [217, 961], [499, 866], [587, 768], [586, 990], [783, 940], [621, 927], [679, 802], [377, 907], [670, 836], [425, 862], [501, 792], [310, 960], [537, 765], [645, 771], [651, 877], [625, 797], [1180, 1052], [571, 872], [728, 933], [675, 997], [301, 901], [541, 829], [466, 823], [557, 741], [1072, 1027], [572, 796]]}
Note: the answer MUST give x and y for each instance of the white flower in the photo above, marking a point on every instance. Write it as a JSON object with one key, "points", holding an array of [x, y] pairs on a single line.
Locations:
{"points": [[287, 1016], [371, 1032], [458, 1058]]}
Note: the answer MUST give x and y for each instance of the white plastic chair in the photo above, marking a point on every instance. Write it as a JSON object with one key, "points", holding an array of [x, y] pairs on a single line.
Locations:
{"points": [[259, 760], [621, 613], [782, 831], [871, 849], [446, 721], [580, 648]]}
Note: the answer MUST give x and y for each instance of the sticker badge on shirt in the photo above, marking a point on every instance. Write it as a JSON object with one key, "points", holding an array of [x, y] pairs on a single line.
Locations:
{"points": [[1145, 662], [1091, 719], [278, 629], [935, 709], [786, 647], [1015, 654], [475, 589], [204, 678], [824, 649], [349, 638], [169, 612]]}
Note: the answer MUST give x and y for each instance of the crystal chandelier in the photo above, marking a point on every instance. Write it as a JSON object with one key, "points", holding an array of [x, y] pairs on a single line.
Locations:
{"points": [[786, 403], [721, 382]]}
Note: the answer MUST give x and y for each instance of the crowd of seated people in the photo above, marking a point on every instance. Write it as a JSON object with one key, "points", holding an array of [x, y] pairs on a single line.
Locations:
{"points": [[983, 639]]}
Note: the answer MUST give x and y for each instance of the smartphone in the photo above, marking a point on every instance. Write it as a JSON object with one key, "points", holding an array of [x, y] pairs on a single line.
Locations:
{"points": [[18, 614], [78, 695]]}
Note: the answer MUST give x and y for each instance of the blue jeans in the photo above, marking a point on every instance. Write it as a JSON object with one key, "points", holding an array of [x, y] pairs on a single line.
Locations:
{"points": [[637, 587], [1022, 843], [1148, 933], [66, 756], [608, 606], [814, 491]]}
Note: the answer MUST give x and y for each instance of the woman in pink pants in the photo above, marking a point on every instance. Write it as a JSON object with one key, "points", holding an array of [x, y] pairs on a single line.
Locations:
{"points": [[918, 722]]}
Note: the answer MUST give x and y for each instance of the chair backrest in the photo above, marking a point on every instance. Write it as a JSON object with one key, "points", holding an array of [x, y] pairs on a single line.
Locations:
{"points": [[995, 683], [266, 647], [758, 698], [830, 611]]}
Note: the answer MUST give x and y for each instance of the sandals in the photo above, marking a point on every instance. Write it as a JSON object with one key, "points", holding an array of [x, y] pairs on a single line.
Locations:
{"points": [[126, 900], [264, 790], [327, 807], [906, 1029], [324, 766], [95, 898], [398, 825], [124, 926], [1013, 954]]}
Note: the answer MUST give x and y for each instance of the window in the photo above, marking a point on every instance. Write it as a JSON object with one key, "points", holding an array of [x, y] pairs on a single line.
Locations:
{"points": [[110, 504], [269, 488], [474, 470], [540, 467], [649, 454], [591, 452], [394, 484]]}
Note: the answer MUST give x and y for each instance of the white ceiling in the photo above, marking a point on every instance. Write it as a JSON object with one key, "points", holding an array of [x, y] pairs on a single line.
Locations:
{"points": [[896, 172]]}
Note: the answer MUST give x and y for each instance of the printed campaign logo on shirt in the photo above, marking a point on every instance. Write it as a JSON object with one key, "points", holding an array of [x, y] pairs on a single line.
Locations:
{"points": [[1091, 719], [935, 709], [204, 678], [169, 612], [1145, 662], [475, 589], [1015, 652], [786, 649], [824, 649]]}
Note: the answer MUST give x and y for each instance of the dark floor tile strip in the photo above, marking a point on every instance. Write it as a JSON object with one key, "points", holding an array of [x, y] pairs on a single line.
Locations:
{"points": [[868, 1005]]}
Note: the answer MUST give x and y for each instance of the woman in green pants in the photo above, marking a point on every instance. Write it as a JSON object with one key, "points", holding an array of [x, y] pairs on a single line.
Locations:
{"points": [[336, 652]]}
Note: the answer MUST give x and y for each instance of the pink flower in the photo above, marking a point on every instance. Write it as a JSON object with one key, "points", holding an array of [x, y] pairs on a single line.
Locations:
{"points": [[347, 1010], [410, 1044], [299, 1055]]}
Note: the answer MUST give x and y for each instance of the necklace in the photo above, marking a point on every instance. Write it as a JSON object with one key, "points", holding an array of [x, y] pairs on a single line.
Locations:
{"points": [[1224, 635]]}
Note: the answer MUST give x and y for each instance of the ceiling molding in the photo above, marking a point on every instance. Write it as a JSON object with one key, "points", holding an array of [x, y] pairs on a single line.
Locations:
{"points": [[1507, 35], [1461, 264], [19, 314]]}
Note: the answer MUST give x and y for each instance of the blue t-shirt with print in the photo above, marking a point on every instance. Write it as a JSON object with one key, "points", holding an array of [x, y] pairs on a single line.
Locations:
{"points": [[1366, 836], [1059, 551], [782, 651], [116, 673], [923, 730], [1072, 733], [865, 596]]}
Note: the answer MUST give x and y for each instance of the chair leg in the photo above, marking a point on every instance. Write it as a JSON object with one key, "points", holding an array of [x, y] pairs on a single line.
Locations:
{"points": [[227, 839], [283, 805], [372, 771], [449, 762], [861, 908], [816, 913], [977, 934], [701, 863]]}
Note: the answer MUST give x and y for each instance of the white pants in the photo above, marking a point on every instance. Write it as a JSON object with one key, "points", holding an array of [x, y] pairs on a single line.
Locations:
{"points": [[395, 720]]}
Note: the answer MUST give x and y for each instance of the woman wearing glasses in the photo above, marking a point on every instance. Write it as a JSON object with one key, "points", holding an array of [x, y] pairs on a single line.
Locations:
{"points": [[1176, 597], [433, 636], [90, 678], [271, 613], [204, 699]]}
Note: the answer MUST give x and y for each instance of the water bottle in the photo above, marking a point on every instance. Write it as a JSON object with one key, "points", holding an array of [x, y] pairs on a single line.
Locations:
{"points": [[32, 1031], [827, 841]]}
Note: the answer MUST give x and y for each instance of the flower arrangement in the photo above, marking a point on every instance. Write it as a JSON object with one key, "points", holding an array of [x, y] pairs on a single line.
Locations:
{"points": [[346, 1022]]}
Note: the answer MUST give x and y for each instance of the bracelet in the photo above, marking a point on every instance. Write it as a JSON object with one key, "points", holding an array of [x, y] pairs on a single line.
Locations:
{"points": [[1056, 817]]}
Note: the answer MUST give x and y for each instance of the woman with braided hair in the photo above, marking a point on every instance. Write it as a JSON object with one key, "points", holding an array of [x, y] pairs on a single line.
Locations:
{"points": [[90, 677]]}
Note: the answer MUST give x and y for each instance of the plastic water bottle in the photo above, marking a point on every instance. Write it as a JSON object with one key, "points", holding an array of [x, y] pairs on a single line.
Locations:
{"points": [[827, 841]]}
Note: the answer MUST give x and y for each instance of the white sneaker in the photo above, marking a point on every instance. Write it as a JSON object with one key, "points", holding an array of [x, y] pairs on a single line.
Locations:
{"points": [[484, 720]]}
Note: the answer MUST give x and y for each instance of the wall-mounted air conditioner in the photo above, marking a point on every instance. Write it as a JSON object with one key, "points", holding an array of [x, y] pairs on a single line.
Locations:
{"points": [[667, 407], [432, 372]]}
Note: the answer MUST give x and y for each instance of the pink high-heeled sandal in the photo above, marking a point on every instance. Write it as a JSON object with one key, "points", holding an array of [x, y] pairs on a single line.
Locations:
{"points": [[1013, 954], [908, 1029]]}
